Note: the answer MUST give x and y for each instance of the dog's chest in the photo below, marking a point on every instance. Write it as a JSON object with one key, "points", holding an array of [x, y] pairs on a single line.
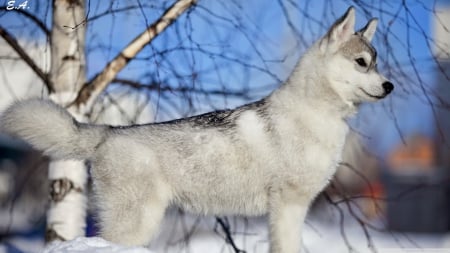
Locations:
{"points": [[312, 149]]}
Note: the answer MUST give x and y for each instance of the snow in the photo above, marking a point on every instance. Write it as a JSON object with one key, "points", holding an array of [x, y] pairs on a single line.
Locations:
{"points": [[183, 233], [91, 245]]}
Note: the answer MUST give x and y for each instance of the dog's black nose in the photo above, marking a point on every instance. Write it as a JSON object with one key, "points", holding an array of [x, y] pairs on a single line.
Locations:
{"points": [[388, 87]]}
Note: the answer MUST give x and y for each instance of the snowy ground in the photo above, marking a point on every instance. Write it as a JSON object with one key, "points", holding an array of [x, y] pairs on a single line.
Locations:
{"points": [[92, 244], [187, 233]]}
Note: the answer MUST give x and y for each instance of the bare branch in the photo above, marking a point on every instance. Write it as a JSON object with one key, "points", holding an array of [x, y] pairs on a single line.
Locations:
{"points": [[25, 57], [229, 238], [93, 88], [189, 89]]}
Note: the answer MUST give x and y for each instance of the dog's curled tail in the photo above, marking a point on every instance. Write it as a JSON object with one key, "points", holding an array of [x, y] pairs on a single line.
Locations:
{"points": [[51, 129]]}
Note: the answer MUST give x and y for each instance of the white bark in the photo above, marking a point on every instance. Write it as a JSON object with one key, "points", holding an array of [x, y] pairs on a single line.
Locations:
{"points": [[66, 217], [67, 46]]}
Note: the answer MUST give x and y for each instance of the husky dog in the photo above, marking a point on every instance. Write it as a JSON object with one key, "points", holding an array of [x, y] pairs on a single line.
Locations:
{"points": [[272, 156]]}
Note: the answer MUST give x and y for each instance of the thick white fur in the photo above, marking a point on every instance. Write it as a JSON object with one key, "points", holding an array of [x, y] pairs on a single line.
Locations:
{"points": [[275, 164]]}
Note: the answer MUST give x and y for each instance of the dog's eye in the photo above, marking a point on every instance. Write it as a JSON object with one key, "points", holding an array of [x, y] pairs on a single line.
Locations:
{"points": [[361, 62]]}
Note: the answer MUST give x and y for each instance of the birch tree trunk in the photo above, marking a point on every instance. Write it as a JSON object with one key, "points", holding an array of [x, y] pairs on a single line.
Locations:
{"points": [[66, 217]]}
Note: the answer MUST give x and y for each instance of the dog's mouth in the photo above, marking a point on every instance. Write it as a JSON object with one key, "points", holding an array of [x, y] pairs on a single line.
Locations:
{"points": [[372, 96]]}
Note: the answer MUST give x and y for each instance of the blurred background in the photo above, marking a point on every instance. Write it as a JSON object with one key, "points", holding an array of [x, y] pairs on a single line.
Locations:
{"points": [[390, 192]]}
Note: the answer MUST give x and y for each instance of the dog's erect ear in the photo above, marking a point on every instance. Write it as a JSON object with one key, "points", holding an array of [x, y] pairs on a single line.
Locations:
{"points": [[340, 31], [369, 30]]}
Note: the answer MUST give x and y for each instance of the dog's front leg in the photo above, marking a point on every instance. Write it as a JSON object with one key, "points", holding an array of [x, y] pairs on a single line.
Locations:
{"points": [[286, 221]]}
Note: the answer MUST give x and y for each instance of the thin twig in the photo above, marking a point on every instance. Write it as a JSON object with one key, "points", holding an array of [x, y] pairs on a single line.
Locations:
{"points": [[229, 239], [166, 88]]}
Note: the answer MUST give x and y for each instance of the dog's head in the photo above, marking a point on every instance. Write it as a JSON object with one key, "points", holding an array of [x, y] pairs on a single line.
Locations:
{"points": [[350, 61]]}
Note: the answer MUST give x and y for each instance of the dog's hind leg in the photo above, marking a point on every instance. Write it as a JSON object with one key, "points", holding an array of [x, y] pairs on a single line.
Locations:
{"points": [[131, 194], [132, 222]]}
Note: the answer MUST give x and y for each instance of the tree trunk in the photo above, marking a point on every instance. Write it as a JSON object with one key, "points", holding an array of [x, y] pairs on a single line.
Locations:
{"points": [[66, 217]]}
